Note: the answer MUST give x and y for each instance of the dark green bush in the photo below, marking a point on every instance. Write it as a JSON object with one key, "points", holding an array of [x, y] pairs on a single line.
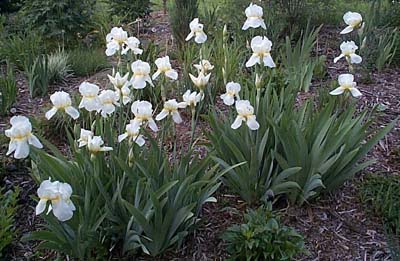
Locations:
{"points": [[9, 6], [131, 9], [263, 237], [57, 19]]}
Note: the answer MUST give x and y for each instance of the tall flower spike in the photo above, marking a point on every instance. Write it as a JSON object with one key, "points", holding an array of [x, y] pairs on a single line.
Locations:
{"points": [[62, 101], [171, 108], [232, 91], [132, 133], [349, 52], [143, 111], [141, 74], [346, 83], [254, 15], [90, 99], [109, 99], [59, 195], [261, 47], [21, 136], [196, 31], [353, 20], [245, 113], [164, 67], [95, 145]]}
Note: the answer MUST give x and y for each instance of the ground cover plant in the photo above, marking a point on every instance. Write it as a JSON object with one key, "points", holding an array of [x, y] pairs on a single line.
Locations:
{"points": [[135, 141]]}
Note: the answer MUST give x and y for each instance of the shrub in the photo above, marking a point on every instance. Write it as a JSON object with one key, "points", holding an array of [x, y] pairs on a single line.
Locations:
{"points": [[85, 62], [8, 202], [131, 9], [9, 6], [62, 20], [263, 237], [8, 90]]}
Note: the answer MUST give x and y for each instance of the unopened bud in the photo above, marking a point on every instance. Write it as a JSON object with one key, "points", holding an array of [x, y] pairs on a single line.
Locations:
{"points": [[258, 81], [225, 33]]}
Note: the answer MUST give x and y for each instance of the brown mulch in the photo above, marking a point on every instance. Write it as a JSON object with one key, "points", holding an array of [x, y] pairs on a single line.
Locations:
{"points": [[335, 227]]}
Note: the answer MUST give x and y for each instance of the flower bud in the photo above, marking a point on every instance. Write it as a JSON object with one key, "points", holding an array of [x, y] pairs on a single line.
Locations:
{"points": [[258, 81]]}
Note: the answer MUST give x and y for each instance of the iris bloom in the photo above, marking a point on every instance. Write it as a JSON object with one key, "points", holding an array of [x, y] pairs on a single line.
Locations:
{"points": [[190, 99], [200, 81], [353, 21], [84, 137], [349, 52], [90, 99], [232, 91], [109, 99], [171, 108], [254, 15], [141, 71], [58, 194], [261, 47], [95, 145], [346, 83], [132, 133], [115, 39], [204, 66], [118, 39], [132, 43], [143, 111], [21, 136], [62, 101], [196, 31], [164, 67], [245, 113]]}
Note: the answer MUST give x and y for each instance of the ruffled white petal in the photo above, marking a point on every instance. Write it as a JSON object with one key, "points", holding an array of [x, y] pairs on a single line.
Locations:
{"points": [[71, 111], [337, 91], [355, 92], [253, 60], [34, 141], [237, 123]]}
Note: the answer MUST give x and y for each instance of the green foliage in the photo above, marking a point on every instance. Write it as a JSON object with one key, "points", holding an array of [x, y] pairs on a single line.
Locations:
{"points": [[181, 14], [9, 6], [61, 19], [131, 9], [263, 237], [327, 144], [260, 178], [38, 76], [85, 62], [8, 203], [148, 204], [8, 90], [381, 196], [21, 49], [298, 64]]}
